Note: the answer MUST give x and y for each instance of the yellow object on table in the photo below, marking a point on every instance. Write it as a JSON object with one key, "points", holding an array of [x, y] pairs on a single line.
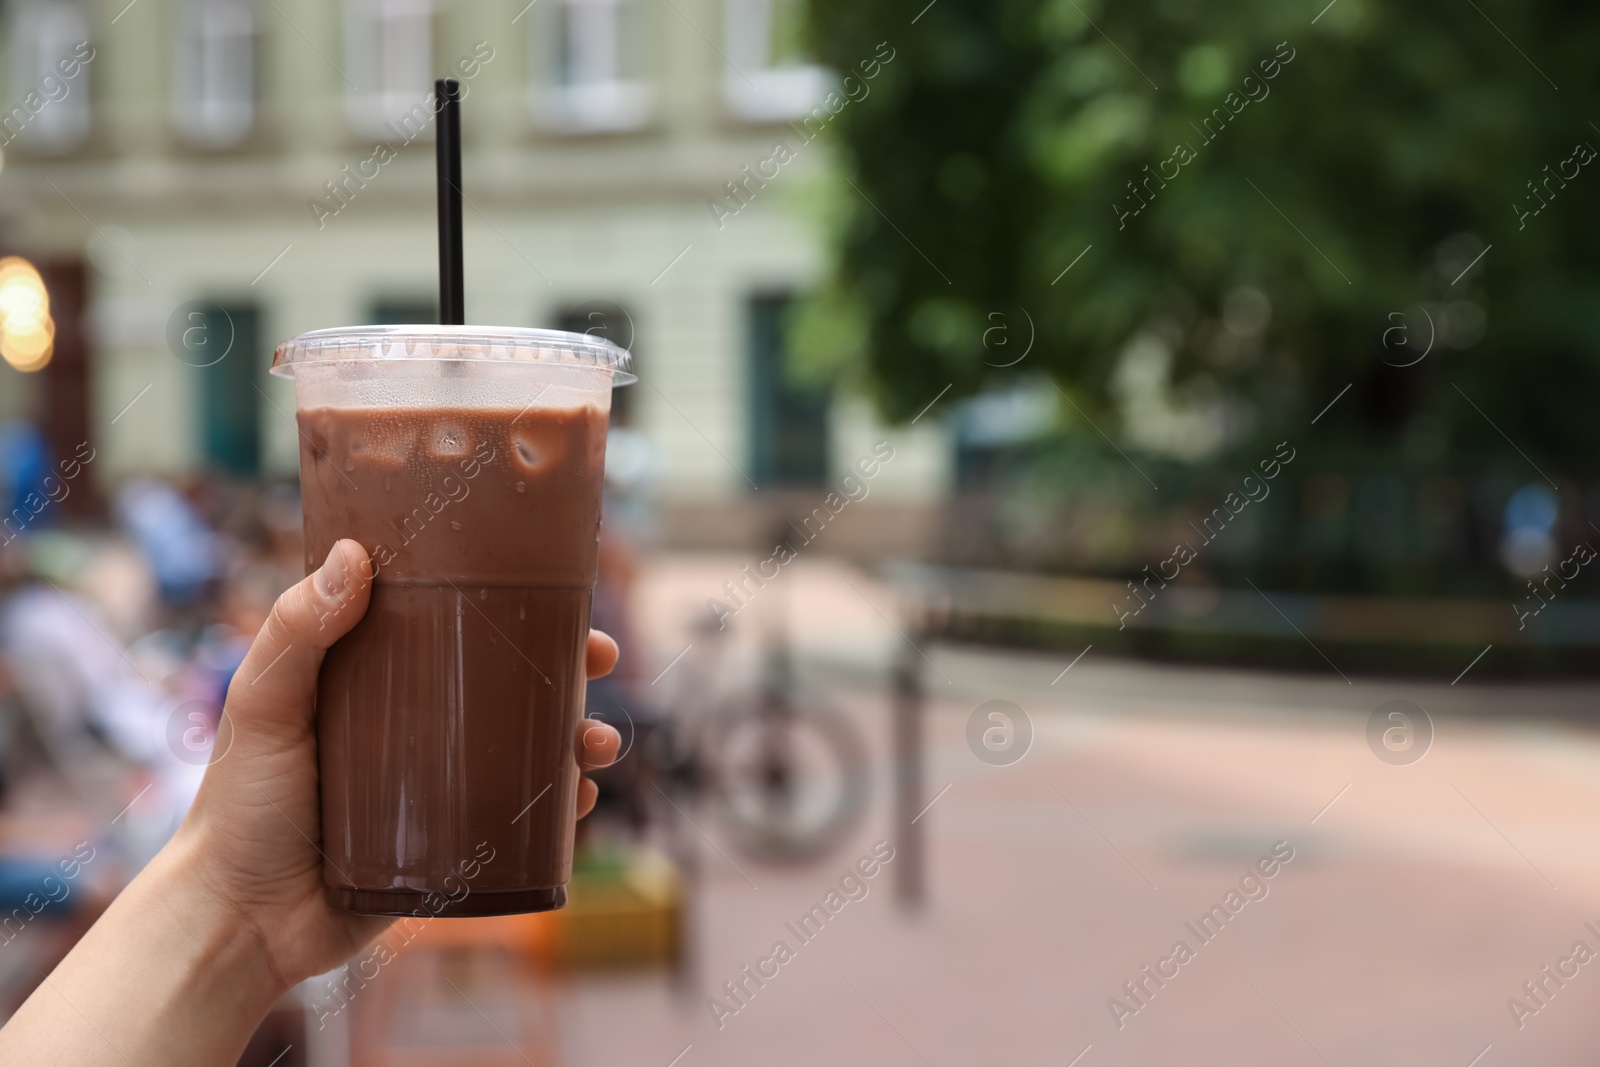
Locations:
{"points": [[624, 909]]}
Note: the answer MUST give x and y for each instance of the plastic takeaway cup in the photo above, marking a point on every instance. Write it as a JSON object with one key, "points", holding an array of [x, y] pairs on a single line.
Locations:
{"points": [[468, 461]]}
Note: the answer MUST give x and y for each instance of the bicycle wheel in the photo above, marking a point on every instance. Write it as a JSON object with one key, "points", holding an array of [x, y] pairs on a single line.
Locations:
{"points": [[788, 783]]}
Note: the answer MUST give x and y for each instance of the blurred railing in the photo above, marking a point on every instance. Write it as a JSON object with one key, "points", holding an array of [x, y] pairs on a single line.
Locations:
{"points": [[1397, 572]]}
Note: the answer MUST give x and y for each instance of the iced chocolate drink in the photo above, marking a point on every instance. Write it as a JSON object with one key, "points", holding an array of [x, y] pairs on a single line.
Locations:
{"points": [[469, 466]]}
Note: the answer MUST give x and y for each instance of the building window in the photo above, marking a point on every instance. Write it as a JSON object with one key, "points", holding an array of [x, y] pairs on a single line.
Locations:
{"points": [[610, 322], [596, 66], [213, 84], [788, 419], [50, 108], [389, 53], [769, 78], [403, 311], [228, 391]]}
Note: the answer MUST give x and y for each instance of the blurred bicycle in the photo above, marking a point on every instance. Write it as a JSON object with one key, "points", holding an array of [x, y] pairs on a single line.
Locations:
{"points": [[785, 773]]}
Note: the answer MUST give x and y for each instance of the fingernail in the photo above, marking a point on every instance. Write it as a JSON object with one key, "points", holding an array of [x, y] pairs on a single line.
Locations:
{"points": [[333, 572], [594, 737]]}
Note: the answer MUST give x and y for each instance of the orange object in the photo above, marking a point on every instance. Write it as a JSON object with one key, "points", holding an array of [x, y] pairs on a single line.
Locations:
{"points": [[535, 937]]}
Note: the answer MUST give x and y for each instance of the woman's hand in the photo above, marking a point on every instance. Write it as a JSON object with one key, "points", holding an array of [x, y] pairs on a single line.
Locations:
{"points": [[230, 913], [258, 808]]}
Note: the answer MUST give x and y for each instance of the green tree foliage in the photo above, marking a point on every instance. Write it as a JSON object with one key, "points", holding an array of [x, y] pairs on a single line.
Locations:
{"points": [[1262, 197], [1260, 204]]}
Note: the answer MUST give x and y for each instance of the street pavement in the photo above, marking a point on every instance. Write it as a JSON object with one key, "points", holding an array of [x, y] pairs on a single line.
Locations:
{"points": [[1419, 899]]}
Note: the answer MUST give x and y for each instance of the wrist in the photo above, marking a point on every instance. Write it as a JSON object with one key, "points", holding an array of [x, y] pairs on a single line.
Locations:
{"points": [[220, 957], [169, 973]]}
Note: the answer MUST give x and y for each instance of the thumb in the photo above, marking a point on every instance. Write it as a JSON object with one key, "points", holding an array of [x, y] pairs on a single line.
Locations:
{"points": [[276, 684]]}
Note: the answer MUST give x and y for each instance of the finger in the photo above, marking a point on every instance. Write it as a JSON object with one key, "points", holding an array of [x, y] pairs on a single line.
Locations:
{"points": [[598, 744], [276, 683], [588, 792], [601, 654]]}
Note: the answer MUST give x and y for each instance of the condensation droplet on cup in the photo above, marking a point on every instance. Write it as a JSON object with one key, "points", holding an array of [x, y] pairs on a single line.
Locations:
{"points": [[483, 594], [385, 483], [522, 487], [450, 441], [454, 525], [522, 611]]}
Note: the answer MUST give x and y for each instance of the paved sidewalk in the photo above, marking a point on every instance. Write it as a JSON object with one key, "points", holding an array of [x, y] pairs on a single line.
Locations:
{"points": [[1418, 900]]}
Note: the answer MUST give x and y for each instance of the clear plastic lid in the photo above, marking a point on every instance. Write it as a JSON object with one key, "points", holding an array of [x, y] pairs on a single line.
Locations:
{"points": [[375, 345]]}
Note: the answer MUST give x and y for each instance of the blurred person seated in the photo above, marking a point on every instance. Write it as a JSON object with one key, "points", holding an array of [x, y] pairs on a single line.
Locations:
{"points": [[81, 693], [24, 463], [619, 699], [182, 549]]}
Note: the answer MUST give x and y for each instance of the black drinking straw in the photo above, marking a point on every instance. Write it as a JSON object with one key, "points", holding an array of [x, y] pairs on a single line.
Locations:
{"points": [[452, 287]]}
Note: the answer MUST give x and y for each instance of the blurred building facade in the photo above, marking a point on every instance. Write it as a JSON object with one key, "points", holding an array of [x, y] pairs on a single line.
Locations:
{"points": [[256, 168]]}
